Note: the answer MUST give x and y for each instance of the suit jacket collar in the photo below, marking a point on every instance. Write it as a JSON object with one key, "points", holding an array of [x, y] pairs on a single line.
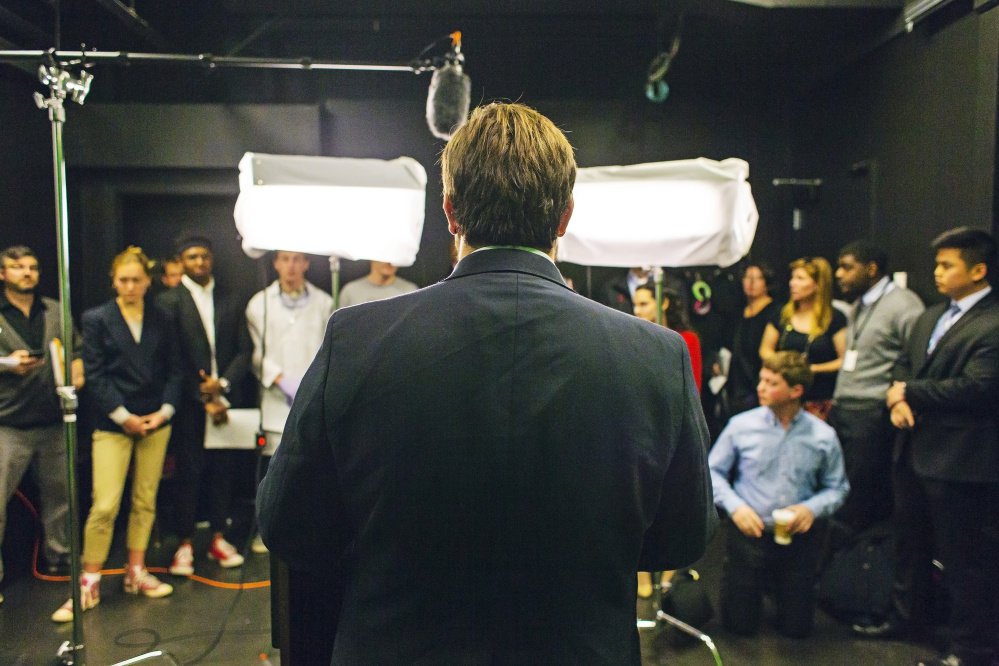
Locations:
{"points": [[140, 353], [966, 319], [507, 260]]}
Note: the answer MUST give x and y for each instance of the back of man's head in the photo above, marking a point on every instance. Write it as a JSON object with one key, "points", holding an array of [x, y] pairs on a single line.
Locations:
{"points": [[508, 173], [866, 252], [974, 245]]}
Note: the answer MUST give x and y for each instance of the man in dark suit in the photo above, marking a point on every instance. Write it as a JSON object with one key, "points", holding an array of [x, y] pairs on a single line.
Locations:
{"points": [[215, 352], [945, 403], [489, 460]]}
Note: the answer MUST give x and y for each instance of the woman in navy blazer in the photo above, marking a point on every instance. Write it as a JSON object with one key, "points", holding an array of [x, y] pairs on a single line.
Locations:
{"points": [[134, 380]]}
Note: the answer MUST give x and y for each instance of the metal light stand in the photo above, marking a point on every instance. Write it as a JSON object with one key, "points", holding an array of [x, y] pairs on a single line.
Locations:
{"points": [[63, 85], [692, 631], [663, 616]]}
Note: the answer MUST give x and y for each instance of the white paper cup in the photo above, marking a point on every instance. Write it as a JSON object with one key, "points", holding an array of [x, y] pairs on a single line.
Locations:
{"points": [[782, 518]]}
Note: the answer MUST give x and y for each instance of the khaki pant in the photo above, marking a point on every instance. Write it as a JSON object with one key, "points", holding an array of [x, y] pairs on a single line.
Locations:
{"points": [[111, 454]]}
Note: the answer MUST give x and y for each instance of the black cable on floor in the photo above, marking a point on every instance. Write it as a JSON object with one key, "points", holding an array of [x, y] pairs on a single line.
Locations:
{"points": [[242, 575]]}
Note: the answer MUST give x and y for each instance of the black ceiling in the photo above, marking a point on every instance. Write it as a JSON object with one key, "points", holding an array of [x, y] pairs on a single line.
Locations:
{"points": [[540, 48]]}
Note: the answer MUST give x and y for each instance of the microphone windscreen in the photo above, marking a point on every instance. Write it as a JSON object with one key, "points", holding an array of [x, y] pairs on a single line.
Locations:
{"points": [[448, 100]]}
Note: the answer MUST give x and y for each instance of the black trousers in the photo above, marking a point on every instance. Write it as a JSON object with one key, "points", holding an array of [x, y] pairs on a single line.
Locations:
{"points": [[866, 435], [197, 468], [958, 524], [753, 566]]}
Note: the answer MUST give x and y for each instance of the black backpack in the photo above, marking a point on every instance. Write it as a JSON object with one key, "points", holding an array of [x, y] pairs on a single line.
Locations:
{"points": [[855, 585]]}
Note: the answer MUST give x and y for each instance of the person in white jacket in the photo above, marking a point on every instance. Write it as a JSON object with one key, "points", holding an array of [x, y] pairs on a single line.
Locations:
{"points": [[287, 321]]}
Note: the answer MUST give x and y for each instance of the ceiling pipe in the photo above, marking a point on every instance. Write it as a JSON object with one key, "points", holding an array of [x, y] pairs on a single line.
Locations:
{"points": [[916, 10], [26, 67]]}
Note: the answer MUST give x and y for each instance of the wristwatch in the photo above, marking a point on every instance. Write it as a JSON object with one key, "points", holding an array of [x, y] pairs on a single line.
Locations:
{"points": [[225, 384]]}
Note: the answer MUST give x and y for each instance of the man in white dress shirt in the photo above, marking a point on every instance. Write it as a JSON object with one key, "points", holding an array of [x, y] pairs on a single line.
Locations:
{"points": [[287, 321]]}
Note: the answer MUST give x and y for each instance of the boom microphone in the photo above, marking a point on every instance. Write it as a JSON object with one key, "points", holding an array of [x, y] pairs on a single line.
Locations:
{"points": [[448, 99]]}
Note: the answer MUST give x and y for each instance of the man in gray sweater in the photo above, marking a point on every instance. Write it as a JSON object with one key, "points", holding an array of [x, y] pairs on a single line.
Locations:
{"points": [[882, 318]]}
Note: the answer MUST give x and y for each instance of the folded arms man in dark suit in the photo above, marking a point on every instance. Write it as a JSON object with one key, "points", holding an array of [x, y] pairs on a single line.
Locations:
{"points": [[488, 461]]}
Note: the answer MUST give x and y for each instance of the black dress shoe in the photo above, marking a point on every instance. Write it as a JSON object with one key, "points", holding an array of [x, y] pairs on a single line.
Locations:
{"points": [[942, 660], [887, 629]]}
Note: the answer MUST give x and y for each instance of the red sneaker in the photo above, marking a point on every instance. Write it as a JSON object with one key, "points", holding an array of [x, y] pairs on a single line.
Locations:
{"points": [[224, 553]]}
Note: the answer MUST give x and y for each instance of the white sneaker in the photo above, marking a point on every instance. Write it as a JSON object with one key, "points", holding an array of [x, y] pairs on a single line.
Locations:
{"points": [[258, 546], [183, 561], [90, 596], [224, 553], [138, 580]]}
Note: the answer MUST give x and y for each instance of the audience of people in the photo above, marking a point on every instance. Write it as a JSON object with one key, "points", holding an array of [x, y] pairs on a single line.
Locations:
{"points": [[909, 397]]}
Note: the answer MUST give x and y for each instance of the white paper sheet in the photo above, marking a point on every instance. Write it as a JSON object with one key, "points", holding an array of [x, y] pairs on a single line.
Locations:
{"points": [[239, 433]]}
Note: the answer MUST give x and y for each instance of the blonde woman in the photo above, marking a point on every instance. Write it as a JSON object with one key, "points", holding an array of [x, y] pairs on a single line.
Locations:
{"points": [[808, 323], [132, 370]]}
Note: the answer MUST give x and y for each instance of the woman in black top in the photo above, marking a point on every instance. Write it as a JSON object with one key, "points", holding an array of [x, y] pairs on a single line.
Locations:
{"points": [[744, 367], [809, 323]]}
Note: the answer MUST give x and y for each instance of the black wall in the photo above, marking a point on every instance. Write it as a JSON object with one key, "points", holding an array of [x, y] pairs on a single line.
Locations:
{"points": [[903, 139], [27, 203], [906, 143]]}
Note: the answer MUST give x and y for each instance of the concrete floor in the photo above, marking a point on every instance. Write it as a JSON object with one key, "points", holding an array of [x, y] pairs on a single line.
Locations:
{"points": [[189, 624]]}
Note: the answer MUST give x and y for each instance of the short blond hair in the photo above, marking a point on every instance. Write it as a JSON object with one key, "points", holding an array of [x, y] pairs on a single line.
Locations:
{"points": [[793, 367], [509, 173], [131, 255]]}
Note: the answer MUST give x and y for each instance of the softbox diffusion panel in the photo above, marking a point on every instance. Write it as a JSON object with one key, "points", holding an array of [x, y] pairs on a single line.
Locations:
{"points": [[335, 206], [684, 213]]}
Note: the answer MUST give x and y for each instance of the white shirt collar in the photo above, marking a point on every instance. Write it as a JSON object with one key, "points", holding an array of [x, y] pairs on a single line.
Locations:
{"points": [[877, 290], [967, 302], [522, 248], [194, 287]]}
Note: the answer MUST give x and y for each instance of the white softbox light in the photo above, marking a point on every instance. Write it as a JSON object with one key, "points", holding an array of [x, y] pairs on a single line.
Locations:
{"points": [[334, 206], [685, 213]]}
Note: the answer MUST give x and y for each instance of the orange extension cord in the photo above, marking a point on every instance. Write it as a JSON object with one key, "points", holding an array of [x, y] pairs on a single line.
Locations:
{"points": [[256, 585]]}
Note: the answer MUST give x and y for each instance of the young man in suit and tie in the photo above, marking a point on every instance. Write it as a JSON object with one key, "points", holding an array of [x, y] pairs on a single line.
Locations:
{"points": [[489, 461], [215, 353], [945, 403]]}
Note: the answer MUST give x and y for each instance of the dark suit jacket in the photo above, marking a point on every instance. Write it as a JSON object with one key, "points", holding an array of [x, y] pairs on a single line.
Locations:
{"points": [[954, 394], [141, 376], [232, 342], [490, 460]]}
